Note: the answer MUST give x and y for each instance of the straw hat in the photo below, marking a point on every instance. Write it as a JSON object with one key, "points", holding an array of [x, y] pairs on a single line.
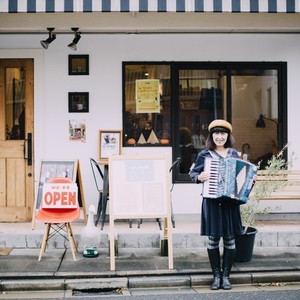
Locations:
{"points": [[219, 124]]}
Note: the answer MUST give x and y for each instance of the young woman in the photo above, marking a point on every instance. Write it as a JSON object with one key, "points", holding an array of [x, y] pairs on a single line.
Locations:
{"points": [[220, 217]]}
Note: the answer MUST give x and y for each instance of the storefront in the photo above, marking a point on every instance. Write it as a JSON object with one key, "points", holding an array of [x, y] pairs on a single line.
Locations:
{"points": [[244, 55]]}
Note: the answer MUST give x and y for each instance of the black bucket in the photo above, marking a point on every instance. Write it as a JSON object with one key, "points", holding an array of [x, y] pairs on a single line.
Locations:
{"points": [[244, 245]]}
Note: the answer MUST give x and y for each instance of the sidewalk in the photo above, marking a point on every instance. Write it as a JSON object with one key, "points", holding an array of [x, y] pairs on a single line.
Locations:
{"points": [[139, 263]]}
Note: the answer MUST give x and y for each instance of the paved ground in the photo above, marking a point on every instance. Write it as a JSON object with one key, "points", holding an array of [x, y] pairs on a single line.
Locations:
{"points": [[139, 264]]}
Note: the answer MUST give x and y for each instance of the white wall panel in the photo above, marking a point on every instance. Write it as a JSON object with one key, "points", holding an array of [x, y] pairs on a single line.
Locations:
{"points": [[106, 53]]}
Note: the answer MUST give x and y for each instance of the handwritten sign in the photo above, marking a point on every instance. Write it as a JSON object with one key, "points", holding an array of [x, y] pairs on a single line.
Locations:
{"points": [[147, 96], [60, 195]]}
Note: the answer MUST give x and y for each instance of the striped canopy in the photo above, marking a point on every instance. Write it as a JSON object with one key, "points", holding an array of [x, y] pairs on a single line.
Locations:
{"points": [[161, 6]]}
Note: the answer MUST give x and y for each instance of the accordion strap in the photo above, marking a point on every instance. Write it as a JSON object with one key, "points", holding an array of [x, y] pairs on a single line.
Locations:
{"points": [[214, 154]]}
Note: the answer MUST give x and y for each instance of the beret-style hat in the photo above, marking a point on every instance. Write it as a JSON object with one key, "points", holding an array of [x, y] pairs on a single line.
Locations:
{"points": [[220, 124]]}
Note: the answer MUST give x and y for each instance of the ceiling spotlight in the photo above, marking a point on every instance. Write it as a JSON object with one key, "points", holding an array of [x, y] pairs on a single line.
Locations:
{"points": [[50, 39], [76, 39]]}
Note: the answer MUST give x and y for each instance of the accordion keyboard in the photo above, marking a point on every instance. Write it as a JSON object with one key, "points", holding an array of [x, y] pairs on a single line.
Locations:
{"points": [[210, 188]]}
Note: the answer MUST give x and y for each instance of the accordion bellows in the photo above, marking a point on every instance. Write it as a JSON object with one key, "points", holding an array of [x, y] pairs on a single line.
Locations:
{"points": [[229, 177]]}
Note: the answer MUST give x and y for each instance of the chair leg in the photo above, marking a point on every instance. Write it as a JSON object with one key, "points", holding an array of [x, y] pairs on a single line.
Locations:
{"points": [[44, 242], [158, 220], [48, 236], [103, 212], [99, 209], [71, 240]]}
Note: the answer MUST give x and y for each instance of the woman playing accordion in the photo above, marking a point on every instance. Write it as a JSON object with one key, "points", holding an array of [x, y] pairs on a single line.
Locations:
{"points": [[220, 217]]}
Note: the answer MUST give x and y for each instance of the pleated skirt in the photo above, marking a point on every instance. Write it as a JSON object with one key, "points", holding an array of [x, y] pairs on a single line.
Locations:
{"points": [[220, 217]]}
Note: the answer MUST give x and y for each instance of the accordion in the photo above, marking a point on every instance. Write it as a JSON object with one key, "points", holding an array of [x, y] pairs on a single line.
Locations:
{"points": [[229, 177]]}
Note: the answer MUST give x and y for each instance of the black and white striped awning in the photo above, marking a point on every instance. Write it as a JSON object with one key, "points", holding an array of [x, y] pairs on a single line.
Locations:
{"points": [[161, 6]]}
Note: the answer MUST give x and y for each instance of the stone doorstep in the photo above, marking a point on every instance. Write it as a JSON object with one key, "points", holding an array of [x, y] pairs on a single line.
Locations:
{"points": [[147, 240]]}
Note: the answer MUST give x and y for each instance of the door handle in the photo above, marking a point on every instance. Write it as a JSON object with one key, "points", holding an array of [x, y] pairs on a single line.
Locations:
{"points": [[28, 149]]}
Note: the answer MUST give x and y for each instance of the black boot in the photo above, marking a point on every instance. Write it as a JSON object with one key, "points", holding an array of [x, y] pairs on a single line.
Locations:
{"points": [[228, 258], [214, 259]]}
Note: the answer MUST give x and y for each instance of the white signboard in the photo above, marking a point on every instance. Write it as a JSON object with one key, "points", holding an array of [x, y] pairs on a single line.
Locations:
{"points": [[139, 187]]}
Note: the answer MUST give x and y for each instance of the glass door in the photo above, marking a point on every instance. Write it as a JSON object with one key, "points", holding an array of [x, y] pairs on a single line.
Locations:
{"points": [[16, 140]]}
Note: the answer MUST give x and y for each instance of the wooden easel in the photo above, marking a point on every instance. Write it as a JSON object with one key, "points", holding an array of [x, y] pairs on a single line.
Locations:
{"points": [[139, 189]]}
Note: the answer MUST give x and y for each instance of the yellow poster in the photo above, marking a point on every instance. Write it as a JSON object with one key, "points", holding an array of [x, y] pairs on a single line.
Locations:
{"points": [[147, 96]]}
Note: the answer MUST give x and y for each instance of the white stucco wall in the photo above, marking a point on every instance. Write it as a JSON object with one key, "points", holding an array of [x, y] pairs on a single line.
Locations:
{"points": [[104, 84]]}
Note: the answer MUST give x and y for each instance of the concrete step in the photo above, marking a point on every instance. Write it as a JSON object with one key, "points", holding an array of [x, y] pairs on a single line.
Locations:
{"points": [[185, 235]]}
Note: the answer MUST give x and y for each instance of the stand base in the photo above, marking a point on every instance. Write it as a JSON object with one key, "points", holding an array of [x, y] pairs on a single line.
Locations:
{"points": [[90, 252]]}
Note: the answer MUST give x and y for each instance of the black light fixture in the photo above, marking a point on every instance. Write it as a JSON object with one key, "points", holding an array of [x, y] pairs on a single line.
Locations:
{"points": [[50, 39], [76, 39], [261, 121], [261, 124]]}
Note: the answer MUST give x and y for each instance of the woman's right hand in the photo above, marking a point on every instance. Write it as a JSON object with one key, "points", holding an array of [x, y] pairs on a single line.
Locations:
{"points": [[203, 176]]}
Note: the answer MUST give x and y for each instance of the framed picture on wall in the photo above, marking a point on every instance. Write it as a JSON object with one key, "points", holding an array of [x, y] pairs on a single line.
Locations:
{"points": [[78, 64], [78, 102], [110, 143]]}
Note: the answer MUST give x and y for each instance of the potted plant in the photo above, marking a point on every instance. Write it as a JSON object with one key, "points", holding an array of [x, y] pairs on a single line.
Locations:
{"points": [[262, 189]]}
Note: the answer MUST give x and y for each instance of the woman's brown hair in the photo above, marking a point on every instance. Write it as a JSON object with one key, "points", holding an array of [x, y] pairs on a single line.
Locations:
{"points": [[210, 144]]}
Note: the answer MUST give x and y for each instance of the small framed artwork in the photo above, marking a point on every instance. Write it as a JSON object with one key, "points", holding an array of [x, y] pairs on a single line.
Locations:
{"points": [[78, 64], [78, 102], [110, 143]]}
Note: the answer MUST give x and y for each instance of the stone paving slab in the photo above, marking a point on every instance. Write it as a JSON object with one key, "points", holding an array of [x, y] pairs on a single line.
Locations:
{"points": [[56, 263]]}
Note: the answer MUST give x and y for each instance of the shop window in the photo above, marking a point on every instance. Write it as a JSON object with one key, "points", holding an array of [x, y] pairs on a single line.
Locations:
{"points": [[191, 95], [147, 105]]}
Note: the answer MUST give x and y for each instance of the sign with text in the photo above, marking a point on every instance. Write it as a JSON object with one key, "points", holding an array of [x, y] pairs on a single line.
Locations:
{"points": [[60, 195], [139, 186], [147, 96]]}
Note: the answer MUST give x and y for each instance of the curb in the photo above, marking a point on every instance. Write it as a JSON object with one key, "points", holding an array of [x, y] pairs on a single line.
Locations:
{"points": [[144, 282]]}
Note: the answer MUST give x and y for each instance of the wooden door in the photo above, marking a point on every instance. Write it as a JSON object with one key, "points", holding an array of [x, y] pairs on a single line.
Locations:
{"points": [[16, 140]]}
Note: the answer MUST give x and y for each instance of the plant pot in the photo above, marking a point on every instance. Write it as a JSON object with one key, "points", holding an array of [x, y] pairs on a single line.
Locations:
{"points": [[244, 245]]}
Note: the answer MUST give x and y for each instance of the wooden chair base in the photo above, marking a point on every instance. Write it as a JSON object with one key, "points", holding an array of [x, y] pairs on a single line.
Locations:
{"points": [[56, 228]]}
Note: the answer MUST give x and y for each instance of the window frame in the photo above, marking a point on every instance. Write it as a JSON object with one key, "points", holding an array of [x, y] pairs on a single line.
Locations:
{"points": [[281, 68]]}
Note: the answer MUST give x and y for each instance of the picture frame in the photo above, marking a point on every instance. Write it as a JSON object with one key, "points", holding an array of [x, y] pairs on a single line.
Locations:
{"points": [[110, 143], [79, 64], [78, 102]]}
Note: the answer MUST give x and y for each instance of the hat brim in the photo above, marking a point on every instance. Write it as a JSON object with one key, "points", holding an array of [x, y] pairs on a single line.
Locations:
{"points": [[219, 129]]}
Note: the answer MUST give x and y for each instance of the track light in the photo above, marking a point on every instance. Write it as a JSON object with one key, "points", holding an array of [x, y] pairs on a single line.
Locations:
{"points": [[50, 39], [76, 39]]}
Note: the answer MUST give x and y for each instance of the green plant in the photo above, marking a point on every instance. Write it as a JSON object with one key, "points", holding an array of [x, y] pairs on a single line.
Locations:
{"points": [[264, 188]]}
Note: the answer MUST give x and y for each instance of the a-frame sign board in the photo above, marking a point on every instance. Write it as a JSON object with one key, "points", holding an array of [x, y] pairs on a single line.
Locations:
{"points": [[139, 188], [59, 168]]}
